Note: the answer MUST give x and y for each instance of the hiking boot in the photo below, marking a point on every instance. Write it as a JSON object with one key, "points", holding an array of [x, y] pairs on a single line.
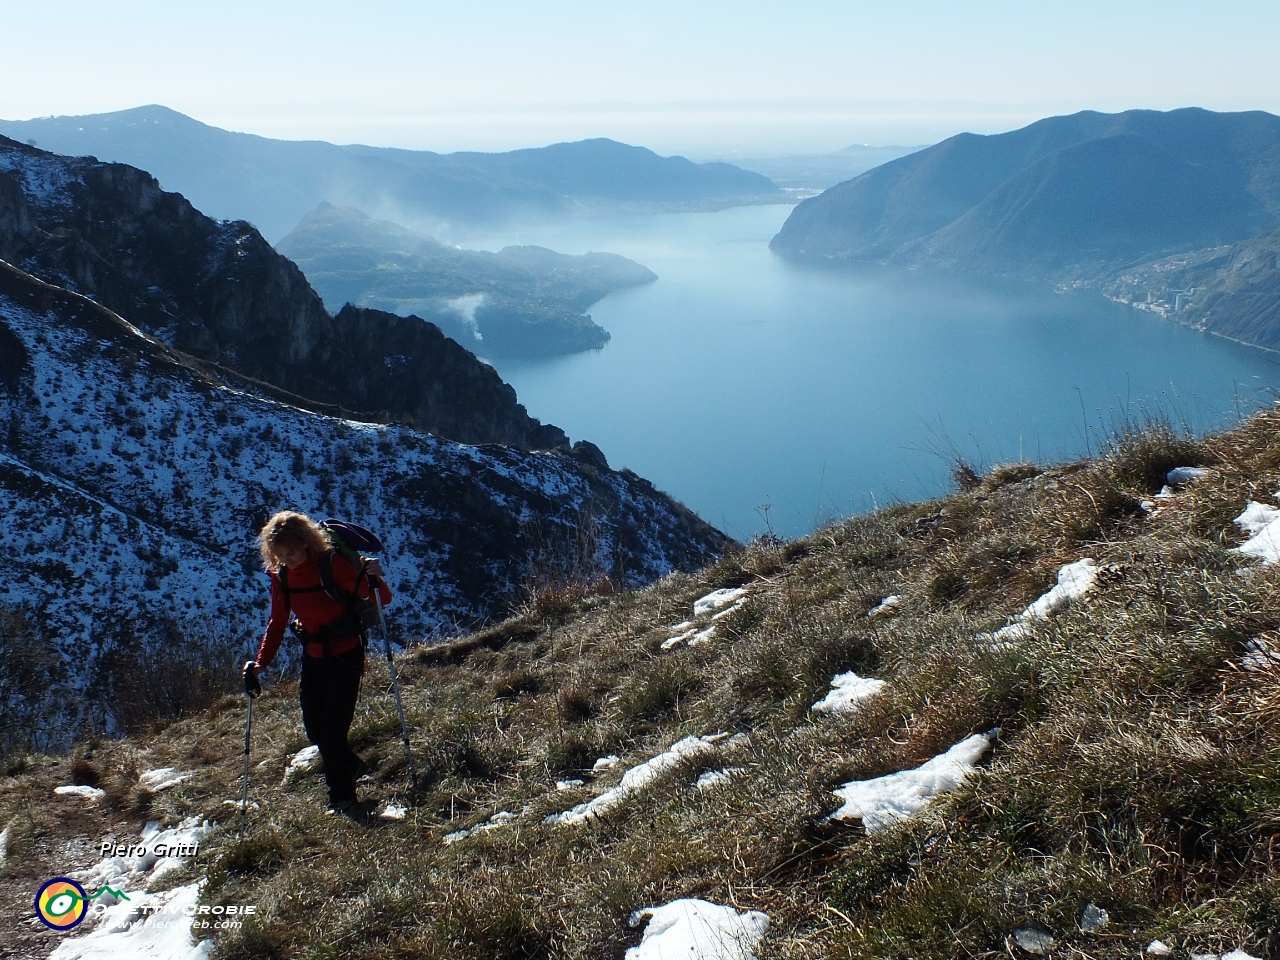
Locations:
{"points": [[345, 807]]}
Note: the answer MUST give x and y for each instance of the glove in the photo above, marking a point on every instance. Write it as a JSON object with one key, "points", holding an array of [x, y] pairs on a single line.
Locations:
{"points": [[251, 685]]}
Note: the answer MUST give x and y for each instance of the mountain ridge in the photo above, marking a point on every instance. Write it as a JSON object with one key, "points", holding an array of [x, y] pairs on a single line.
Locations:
{"points": [[274, 183], [912, 210]]}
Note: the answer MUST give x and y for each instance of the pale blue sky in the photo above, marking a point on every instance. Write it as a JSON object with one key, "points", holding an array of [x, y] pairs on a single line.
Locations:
{"points": [[702, 78]]}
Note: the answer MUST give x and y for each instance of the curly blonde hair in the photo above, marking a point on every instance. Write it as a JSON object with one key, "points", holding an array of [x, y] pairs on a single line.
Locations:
{"points": [[290, 528]]}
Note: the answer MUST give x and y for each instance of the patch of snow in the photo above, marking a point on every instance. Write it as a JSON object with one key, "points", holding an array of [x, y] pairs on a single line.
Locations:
{"points": [[717, 599], [500, 819], [89, 793], [1158, 948], [676, 639], [162, 779], [636, 779], [1238, 954], [729, 609], [702, 636], [848, 690], [4, 843], [1180, 475], [884, 801], [568, 784], [301, 762], [605, 763], [886, 606], [393, 811], [1262, 523], [698, 930], [1074, 581], [143, 865], [139, 923], [714, 778], [162, 930]]}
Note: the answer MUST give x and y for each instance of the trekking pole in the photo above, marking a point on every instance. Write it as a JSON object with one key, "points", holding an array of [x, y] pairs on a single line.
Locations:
{"points": [[244, 793], [251, 689], [395, 684]]}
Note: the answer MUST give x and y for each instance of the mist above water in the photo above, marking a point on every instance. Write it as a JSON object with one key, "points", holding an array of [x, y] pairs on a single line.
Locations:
{"points": [[770, 396]]}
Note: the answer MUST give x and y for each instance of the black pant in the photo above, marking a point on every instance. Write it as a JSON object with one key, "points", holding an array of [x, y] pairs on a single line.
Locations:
{"points": [[328, 692]]}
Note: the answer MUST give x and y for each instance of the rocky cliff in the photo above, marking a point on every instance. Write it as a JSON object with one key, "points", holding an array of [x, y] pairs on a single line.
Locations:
{"points": [[218, 291]]}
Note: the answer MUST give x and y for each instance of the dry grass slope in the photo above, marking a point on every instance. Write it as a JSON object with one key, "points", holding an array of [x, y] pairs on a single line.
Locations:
{"points": [[1136, 766]]}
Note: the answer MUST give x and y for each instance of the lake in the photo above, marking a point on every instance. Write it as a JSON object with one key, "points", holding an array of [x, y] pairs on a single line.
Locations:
{"points": [[769, 396]]}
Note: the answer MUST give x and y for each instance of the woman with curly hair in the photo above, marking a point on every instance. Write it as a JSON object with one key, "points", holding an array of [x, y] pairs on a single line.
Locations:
{"points": [[300, 557]]}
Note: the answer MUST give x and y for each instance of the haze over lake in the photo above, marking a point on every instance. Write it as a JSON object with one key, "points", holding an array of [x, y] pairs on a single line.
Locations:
{"points": [[738, 380]]}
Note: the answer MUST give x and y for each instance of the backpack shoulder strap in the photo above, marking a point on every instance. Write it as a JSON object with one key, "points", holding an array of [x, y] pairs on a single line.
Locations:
{"points": [[357, 563], [282, 575], [326, 577]]}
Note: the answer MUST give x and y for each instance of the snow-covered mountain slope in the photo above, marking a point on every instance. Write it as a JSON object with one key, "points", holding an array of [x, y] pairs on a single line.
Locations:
{"points": [[133, 480]]}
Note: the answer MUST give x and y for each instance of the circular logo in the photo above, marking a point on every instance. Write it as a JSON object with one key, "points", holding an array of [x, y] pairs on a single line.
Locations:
{"points": [[61, 903]]}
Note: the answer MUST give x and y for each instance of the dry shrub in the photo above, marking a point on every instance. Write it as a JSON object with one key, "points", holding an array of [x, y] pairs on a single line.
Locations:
{"points": [[1003, 474], [965, 477], [1139, 458]]}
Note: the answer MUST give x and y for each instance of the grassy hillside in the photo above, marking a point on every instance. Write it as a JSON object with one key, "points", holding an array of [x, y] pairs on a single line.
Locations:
{"points": [[1133, 764]]}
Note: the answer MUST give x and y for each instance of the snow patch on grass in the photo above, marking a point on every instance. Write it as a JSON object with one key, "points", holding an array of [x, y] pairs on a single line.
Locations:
{"points": [[124, 931], [886, 606], [697, 930], [88, 793], [884, 801], [848, 690], [394, 811], [138, 923], [717, 599], [162, 779], [1074, 581], [637, 778], [300, 763], [500, 819], [1262, 524]]}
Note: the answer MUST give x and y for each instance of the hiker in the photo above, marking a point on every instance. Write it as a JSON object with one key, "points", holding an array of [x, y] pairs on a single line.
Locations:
{"points": [[299, 556]]}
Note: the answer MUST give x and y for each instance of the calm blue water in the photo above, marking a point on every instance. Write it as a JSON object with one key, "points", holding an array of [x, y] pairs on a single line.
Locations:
{"points": [[738, 380]]}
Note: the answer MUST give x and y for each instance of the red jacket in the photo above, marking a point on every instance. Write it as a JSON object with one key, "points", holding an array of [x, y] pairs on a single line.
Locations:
{"points": [[313, 608]]}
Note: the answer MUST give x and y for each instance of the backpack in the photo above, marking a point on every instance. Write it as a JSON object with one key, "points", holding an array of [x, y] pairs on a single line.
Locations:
{"points": [[362, 615]]}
